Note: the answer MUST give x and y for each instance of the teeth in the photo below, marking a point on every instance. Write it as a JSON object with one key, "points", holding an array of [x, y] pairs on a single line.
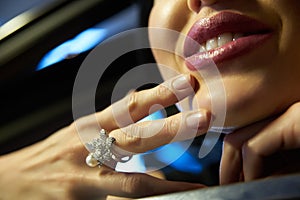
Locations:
{"points": [[211, 44], [219, 41], [237, 36], [224, 39], [202, 47]]}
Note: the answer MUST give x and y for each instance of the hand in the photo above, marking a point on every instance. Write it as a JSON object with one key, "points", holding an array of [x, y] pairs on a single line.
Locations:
{"points": [[266, 148], [55, 168]]}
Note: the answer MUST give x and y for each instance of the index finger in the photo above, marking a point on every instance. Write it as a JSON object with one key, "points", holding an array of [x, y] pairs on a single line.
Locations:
{"points": [[137, 105], [141, 137]]}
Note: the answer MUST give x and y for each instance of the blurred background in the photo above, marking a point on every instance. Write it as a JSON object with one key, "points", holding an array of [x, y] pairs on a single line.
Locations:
{"points": [[42, 45]]}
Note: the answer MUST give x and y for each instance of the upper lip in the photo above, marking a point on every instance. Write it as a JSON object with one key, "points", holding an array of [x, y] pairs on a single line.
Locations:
{"points": [[223, 22]]}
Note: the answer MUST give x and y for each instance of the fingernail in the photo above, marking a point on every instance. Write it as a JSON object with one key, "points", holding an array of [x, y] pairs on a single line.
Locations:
{"points": [[196, 121], [181, 83]]}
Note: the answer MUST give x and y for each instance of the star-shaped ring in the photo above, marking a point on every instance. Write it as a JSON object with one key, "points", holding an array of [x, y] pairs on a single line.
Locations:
{"points": [[101, 151]]}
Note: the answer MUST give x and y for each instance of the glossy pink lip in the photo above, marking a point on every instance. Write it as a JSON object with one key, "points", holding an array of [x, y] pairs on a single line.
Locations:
{"points": [[255, 34]]}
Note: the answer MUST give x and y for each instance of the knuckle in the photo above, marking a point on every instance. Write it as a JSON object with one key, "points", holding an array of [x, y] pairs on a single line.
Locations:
{"points": [[246, 148], [84, 123], [229, 139], [133, 142], [172, 125], [290, 129], [105, 171], [293, 112], [291, 137], [162, 92], [132, 184], [295, 107], [249, 150], [72, 126], [133, 101], [132, 136], [78, 125]]}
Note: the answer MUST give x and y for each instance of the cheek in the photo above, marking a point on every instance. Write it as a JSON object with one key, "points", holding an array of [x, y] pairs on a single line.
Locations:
{"points": [[171, 16], [290, 48]]}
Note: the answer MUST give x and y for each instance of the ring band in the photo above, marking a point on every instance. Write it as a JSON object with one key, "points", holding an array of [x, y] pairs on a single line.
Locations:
{"points": [[101, 151]]}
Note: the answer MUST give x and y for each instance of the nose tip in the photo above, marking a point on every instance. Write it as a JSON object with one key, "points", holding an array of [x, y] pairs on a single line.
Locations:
{"points": [[195, 5]]}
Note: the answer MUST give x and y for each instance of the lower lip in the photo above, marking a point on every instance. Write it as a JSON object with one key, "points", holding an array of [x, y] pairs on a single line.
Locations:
{"points": [[231, 50]]}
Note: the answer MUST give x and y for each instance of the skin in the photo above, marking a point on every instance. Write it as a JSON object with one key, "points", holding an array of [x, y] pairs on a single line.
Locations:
{"points": [[252, 82], [260, 85], [267, 148], [55, 168]]}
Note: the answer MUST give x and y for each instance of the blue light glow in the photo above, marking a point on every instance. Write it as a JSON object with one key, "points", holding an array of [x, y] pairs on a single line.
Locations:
{"points": [[136, 164], [84, 41], [156, 115], [185, 163], [172, 154]]}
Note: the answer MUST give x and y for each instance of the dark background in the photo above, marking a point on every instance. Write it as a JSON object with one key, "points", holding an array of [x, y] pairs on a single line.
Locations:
{"points": [[34, 104]]}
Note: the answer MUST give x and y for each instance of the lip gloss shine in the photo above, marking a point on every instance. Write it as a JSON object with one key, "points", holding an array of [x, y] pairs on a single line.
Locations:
{"points": [[254, 34]]}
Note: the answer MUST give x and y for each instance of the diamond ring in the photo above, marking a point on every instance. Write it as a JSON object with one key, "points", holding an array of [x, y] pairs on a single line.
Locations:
{"points": [[101, 151]]}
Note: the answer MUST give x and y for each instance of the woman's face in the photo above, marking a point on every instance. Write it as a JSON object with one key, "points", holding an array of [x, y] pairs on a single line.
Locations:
{"points": [[255, 45]]}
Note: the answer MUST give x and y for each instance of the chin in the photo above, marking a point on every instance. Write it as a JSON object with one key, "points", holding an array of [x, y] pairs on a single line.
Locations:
{"points": [[235, 108]]}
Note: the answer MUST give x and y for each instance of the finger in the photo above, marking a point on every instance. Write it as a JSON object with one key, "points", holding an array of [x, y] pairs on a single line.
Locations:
{"points": [[231, 162], [282, 134], [135, 185], [137, 105], [231, 166], [144, 136]]}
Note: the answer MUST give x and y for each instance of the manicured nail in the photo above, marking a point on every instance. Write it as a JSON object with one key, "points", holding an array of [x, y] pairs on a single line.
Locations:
{"points": [[182, 82], [196, 121]]}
